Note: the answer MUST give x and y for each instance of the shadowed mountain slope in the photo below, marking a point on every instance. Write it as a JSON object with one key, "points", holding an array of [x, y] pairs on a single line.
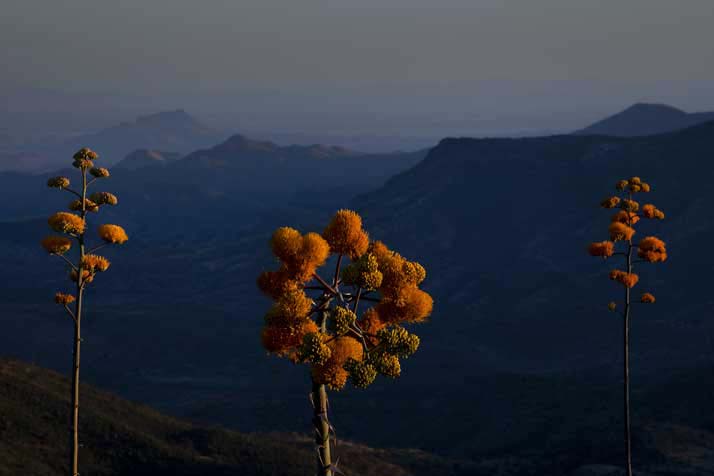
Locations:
{"points": [[646, 119]]}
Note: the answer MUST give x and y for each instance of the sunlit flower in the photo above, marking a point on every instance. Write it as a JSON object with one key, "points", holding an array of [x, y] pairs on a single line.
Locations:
{"points": [[603, 248], [57, 245], [413, 305], [87, 276], [626, 279], [95, 263], [104, 198], [652, 249], [610, 202], [293, 305], [647, 298], [370, 324], [69, 223], [345, 235], [620, 231], [286, 243], [64, 299], [99, 172], [113, 234], [283, 340], [332, 373], [58, 182]]}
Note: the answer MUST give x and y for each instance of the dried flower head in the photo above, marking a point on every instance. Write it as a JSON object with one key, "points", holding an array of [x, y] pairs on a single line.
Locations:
{"points": [[630, 205], [626, 279], [602, 248], [647, 298], [112, 234], [621, 185], [104, 198], [58, 182], [652, 249], [69, 223], [57, 245], [85, 153], [64, 299], [87, 276]]}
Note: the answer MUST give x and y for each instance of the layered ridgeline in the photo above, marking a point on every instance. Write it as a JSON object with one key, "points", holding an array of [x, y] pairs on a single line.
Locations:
{"points": [[170, 130], [644, 119], [502, 225], [124, 438]]}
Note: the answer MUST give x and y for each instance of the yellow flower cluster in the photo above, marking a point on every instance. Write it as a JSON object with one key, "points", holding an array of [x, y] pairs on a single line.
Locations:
{"points": [[363, 273], [343, 319], [90, 206], [83, 158], [57, 245], [113, 234], [314, 349], [345, 235], [99, 172], [58, 182], [69, 223], [95, 263], [362, 374], [104, 198]]}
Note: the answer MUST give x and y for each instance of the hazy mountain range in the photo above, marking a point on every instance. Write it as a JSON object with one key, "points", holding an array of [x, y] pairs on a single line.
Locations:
{"points": [[520, 326]]}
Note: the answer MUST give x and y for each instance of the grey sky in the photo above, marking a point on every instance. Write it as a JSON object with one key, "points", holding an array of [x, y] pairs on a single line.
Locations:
{"points": [[304, 63]]}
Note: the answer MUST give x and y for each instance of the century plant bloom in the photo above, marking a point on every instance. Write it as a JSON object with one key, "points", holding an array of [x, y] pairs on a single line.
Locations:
{"points": [[650, 249], [84, 267], [112, 234], [64, 222], [57, 245], [316, 320]]}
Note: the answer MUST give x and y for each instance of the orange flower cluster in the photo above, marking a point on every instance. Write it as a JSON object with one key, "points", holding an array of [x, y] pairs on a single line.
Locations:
{"points": [[112, 234], [602, 248], [630, 205], [345, 235], [627, 218], [620, 231], [300, 255], [634, 185], [626, 279], [348, 346], [57, 245], [104, 198], [650, 211], [90, 206], [95, 263], [647, 298], [64, 299], [652, 249], [610, 202], [333, 373], [64, 222], [87, 276]]}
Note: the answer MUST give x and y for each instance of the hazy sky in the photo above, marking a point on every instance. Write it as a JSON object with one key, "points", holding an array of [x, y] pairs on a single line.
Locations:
{"points": [[399, 66]]}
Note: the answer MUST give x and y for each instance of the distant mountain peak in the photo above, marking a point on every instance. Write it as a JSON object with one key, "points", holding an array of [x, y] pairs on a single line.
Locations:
{"points": [[643, 119], [142, 158], [175, 117]]}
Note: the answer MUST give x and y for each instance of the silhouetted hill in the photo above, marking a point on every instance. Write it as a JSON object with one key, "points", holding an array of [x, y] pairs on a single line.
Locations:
{"points": [[646, 119], [142, 158], [123, 438]]}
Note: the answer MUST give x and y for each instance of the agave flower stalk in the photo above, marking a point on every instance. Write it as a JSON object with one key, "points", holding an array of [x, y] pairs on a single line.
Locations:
{"points": [[72, 228], [322, 329], [650, 249]]}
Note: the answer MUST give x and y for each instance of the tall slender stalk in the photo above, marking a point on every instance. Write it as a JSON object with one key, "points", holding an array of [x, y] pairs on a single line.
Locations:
{"points": [[321, 421], [626, 335]]}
